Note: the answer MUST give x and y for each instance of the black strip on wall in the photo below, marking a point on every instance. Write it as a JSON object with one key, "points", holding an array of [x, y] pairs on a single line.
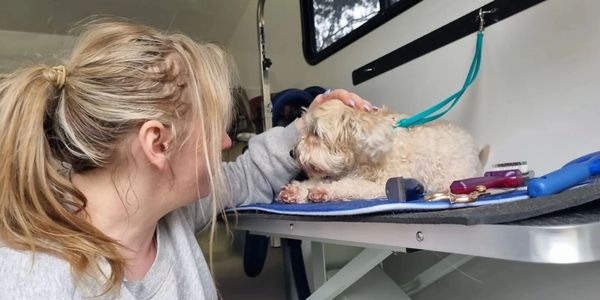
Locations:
{"points": [[440, 37]]}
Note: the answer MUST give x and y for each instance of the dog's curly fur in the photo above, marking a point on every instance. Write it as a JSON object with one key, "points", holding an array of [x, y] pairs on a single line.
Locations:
{"points": [[350, 154]]}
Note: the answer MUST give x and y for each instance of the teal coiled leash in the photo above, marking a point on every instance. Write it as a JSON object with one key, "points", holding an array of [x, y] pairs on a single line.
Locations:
{"points": [[426, 116]]}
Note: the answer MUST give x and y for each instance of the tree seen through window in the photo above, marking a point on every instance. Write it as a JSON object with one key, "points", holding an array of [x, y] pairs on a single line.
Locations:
{"points": [[336, 18]]}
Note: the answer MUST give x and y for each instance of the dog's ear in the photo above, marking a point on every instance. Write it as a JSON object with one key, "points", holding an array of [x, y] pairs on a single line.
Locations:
{"points": [[484, 155], [372, 136]]}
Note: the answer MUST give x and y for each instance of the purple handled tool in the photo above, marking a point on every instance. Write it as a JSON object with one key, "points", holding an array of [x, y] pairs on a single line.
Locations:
{"points": [[492, 179]]}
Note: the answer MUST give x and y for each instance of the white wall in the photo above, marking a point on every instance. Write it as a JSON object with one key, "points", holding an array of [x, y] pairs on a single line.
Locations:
{"points": [[33, 31], [22, 48], [534, 99], [200, 19]]}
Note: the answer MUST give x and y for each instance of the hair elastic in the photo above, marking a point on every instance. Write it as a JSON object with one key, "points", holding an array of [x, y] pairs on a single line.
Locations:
{"points": [[58, 76]]}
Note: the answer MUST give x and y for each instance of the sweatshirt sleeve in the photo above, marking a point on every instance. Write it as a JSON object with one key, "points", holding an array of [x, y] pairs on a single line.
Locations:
{"points": [[258, 174]]}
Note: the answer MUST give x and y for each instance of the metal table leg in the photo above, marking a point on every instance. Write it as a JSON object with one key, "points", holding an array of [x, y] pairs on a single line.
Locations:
{"points": [[350, 273]]}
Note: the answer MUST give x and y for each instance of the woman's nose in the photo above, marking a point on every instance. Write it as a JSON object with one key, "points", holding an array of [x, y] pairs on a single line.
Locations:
{"points": [[226, 143]]}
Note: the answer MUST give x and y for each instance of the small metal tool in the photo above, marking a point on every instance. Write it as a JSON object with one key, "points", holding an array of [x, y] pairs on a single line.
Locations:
{"points": [[453, 198], [480, 190], [404, 189]]}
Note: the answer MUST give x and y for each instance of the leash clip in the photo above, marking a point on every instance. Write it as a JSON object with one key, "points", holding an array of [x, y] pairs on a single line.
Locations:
{"points": [[481, 18]]}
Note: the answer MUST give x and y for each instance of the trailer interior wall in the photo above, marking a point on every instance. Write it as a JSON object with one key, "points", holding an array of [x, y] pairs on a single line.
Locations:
{"points": [[535, 98], [20, 48]]}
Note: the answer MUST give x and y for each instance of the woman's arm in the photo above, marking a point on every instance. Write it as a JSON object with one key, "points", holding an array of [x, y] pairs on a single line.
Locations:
{"points": [[265, 167], [256, 175]]}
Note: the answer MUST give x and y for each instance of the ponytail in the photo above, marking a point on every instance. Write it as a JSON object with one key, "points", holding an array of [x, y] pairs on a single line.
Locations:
{"points": [[40, 210]]}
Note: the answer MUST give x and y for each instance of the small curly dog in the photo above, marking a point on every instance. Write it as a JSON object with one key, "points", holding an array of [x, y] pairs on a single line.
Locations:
{"points": [[350, 154]]}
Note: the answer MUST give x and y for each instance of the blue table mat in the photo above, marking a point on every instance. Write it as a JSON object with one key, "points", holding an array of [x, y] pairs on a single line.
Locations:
{"points": [[364, 206]]}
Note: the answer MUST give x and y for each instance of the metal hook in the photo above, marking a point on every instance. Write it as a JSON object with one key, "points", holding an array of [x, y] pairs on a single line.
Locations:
{"points": [[482, 19]]}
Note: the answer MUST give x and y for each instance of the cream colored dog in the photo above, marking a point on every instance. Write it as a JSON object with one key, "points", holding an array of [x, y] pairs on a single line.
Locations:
{"points": [[350, 154]]}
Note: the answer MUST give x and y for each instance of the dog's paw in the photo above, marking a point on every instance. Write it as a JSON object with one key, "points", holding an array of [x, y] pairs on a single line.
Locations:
{"points": [[293, 193], [289, 194], [317, 194]]}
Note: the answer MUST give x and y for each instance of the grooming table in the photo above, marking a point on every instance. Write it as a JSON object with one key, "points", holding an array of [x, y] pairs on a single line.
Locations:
{"points": [[559, 229]]}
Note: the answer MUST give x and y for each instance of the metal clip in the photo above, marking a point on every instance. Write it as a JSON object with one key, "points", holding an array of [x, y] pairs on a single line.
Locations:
{"points": [[480, 190], [482, 19], [453, 198]]}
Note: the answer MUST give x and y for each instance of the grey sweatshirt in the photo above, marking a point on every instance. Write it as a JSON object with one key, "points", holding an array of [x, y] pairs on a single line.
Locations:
{"points": [[179, 270]]}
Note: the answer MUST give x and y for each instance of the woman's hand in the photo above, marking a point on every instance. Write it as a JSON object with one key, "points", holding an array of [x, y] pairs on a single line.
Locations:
{"points": [[348, 98]]}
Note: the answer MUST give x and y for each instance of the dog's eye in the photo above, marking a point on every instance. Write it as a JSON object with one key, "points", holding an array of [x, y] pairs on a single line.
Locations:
{"points": [[315, 168]]}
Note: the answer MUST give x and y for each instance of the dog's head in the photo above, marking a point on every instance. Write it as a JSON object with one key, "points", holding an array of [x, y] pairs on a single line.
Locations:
{"points": [[338, 139]]}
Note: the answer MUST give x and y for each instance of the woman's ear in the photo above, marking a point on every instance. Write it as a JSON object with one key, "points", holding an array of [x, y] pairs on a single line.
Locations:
{"points": [[154, 140]]}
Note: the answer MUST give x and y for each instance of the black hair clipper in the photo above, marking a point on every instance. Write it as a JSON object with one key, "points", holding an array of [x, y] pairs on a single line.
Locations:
{"points": [[404, 189]]}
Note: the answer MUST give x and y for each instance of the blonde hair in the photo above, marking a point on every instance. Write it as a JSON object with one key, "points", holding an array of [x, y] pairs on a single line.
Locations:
{"points": [[118, 76]]}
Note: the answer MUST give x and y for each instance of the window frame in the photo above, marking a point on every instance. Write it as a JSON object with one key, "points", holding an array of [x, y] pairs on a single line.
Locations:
{"points": [[312, 56]]}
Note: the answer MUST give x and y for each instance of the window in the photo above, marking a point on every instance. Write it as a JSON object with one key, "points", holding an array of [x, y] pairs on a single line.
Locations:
{"points": [[330, 25], [335, 19]]}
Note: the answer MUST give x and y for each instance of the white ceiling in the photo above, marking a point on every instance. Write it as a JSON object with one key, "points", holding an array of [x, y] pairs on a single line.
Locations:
{"points": [[200, 19]]}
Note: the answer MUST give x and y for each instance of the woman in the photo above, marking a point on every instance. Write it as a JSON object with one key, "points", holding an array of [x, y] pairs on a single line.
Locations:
{"points": [[105, 158]]}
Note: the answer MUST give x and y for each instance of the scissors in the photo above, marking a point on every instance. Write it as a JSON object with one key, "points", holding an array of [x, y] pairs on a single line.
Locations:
{"points": [[480, 190]]}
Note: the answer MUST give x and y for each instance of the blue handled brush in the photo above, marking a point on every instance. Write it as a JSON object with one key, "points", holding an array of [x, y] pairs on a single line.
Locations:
{"points": [[568, 176]]}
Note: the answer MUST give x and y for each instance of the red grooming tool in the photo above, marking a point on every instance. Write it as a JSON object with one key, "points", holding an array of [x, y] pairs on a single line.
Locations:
{"points": [[494, 179]]}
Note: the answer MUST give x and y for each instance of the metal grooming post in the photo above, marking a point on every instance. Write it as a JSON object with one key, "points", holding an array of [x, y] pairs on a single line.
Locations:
{"points": [[265, 64]]}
